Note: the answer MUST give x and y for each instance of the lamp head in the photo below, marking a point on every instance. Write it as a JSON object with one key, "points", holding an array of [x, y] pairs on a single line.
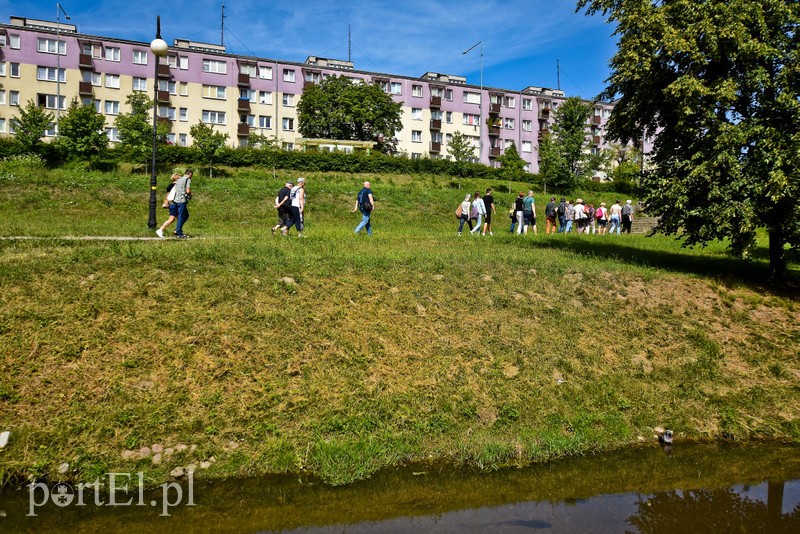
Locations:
{"points": [[159, 47]]}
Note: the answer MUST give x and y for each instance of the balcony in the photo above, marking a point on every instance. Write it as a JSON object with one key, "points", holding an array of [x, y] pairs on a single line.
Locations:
{"points": [[243, 129], [597, 119], [165, 120], [494, 151], [162, 97], [596, 140], [85, 88], [544, 113], [436, 101], [436, 146], [436, 124], [244, 80], [163, 71], [494, 108], [543, 134], [85, 61], [494, 130], [244, 105]]}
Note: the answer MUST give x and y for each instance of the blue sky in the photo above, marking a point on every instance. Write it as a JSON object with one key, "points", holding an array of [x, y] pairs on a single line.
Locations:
{"points": [[522, 39]]}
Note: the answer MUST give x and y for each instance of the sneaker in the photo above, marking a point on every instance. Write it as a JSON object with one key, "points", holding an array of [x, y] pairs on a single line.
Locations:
{"points": [[490, 233], [273, 230], [160, 233], [183, 236]]}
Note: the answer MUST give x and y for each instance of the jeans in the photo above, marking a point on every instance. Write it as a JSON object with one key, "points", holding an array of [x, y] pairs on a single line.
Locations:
{"points": [[183, 216], [614, 222], [568, 229], [478, 224], [562, 223], [364, 223], [462, 220]]}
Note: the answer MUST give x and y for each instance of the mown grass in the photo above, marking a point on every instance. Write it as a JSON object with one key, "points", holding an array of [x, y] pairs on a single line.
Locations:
{"points": [[412, 345]]}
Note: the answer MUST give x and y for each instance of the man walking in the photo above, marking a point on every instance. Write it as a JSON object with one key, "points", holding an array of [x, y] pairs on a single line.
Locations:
{"points": [[488, 205], [183, 192], [298, 199], [283, 204], [561, 211], [365, 202], [627, 217], [550, 216]]}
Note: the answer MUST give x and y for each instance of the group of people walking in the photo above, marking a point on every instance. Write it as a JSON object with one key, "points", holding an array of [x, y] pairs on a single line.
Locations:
{"points": [[564, 216], [479, 209], [179, 192], [291, 203]]}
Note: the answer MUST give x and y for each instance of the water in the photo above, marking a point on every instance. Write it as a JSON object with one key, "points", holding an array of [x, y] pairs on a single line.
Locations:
{"points": [[697, 488]]}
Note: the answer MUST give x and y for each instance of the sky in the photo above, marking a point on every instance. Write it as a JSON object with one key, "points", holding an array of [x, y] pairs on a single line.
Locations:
{"points": [[523, 41]]}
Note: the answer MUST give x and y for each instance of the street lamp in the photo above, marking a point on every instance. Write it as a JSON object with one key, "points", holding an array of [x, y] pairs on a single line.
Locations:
{"points": [[59, 10], [159, 48], [480, 103]]}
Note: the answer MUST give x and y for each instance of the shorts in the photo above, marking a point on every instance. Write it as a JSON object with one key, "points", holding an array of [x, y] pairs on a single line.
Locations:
{"points": [[602, 222], [488, 219], [173, 209], [528, 218]]}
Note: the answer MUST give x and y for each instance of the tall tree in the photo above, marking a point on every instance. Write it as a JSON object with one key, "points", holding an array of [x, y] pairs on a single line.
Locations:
{"points": [[30, 126], [81, 134], [338, 108], [563, 154], [512, 167], [207, 142], [718, 83], [136, 128]]}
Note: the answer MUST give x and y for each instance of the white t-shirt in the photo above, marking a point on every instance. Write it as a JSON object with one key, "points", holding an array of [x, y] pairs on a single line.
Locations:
{"points": [[295, 196]]}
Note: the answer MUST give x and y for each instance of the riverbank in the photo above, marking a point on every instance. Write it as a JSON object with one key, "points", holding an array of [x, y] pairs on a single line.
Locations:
{"points": [[337, 355]]}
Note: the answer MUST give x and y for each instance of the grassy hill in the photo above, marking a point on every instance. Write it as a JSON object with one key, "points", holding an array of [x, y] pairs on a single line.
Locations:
{"points": [[412, 345]]}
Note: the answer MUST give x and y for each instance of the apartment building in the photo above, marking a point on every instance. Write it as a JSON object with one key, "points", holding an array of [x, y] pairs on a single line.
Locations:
{"points": [[51, 64]]}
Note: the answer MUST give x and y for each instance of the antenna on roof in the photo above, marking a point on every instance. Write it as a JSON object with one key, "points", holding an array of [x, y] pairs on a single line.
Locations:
{"points": [[558, 75], [222, 33], [348, 42]]}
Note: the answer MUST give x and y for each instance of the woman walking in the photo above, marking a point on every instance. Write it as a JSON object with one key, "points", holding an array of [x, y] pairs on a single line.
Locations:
{"points": [[465, 213]]}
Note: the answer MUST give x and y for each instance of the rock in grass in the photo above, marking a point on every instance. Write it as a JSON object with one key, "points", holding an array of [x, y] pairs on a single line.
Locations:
{"points": [[288, 280], [144, 452], [157, 447], [178, 472], [4, 437], [130, 455], [63, 468]]}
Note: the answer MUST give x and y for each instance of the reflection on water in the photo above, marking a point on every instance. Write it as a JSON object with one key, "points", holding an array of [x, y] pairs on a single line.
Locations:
{"points": [[697, 489]]}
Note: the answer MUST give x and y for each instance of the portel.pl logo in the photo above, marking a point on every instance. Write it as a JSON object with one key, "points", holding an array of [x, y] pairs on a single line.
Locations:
{"points": [[63, 494]]}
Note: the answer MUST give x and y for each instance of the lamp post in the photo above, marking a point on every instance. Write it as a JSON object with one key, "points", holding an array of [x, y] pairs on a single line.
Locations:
{"points": [[480, 103], [159, 48], [59, 10]]}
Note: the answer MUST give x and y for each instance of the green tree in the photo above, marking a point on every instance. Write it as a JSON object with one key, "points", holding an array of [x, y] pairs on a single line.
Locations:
{"points": [[81, 132], [718, 83], [30, 126], [136, 128], [338, 108], [460, 148], [512, 167], [207, 142], [563, 154]]}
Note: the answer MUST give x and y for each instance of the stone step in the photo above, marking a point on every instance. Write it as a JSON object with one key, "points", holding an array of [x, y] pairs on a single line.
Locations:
{"points": [[642, 225]]}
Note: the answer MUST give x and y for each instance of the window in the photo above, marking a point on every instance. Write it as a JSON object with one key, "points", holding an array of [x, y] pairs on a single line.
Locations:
{"points": [[510, 102], [48, 74], [140, 57], [383, 84], [265, 121], [288, 75], [250, 120], [2, 97], [416, 155], [112, 81], [49, 101], [14, 42], [184, 87], [436, 114], [416, 136], [2, 125], [15, 70], [396, 88], [214, 66], [170, 138], [214, 91], [471, 120], [112, 53], [183, 62], [166, 112], [288, 100], [113, 134], [508, 124], [51, 130], [139, 84], [213, 117], [249, 69], [265, 97], [172, 60], [448, 117], [527, 104], [416, 90], [168, 86], [182, 139], [183, 114], [264, 72], [97, 105], [112, 107], [2, 68], [527, 126], [49, 46], [91, 77], [13, 98], [448, 95], [527, 146], [288, 124], [472, 98], [416, 114], [247, 94], [92, 49], [313, 77]]}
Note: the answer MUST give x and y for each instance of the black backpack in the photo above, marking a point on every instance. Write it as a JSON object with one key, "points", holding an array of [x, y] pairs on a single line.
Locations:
{"points": [[365, 203], [561, 209]]}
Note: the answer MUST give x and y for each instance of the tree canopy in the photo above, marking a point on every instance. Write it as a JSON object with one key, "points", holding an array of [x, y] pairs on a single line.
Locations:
{"points": [[136, 128], [717, 84], [563, 153], [338, 108], [30, 125], [81, 133], [207, 142]]}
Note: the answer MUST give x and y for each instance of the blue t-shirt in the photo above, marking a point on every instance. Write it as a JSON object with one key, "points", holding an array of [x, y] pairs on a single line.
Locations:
{"points": [[363, 196]]}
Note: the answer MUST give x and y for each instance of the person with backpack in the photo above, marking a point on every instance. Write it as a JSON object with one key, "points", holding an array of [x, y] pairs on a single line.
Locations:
{"points": [[365, 202], [283, 203], [298, 201], [183, 192], [561, 212], [463, 213], [550, 216], [478, 211], [602, 218]]}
